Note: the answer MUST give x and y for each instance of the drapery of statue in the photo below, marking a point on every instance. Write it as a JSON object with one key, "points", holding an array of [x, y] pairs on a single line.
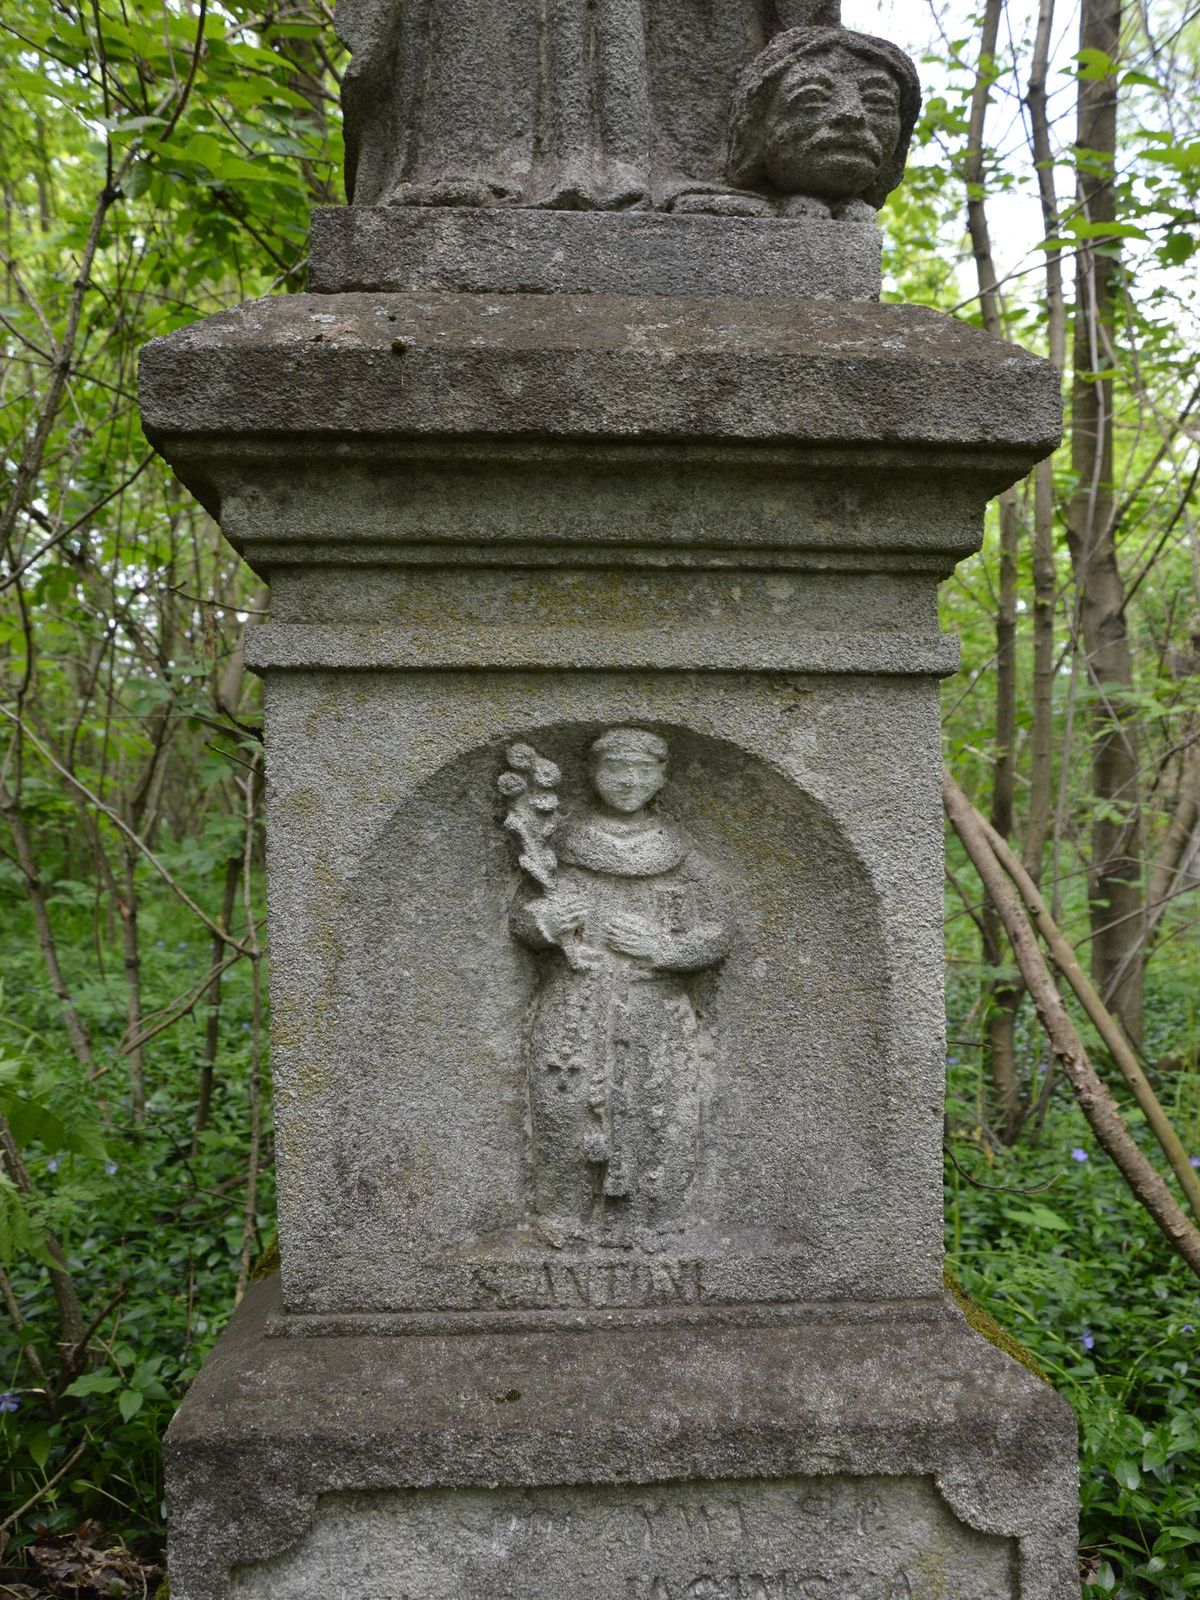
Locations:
{"points": [[624, 915], [746, 107]]}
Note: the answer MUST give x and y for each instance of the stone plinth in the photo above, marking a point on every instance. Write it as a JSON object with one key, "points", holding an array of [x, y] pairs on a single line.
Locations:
{"points": [[605, 890], [855, 1451]]}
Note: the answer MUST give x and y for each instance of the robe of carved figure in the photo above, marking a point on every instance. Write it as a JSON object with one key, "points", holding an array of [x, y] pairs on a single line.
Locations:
{"points": [[571, 104], [617, 1057]]}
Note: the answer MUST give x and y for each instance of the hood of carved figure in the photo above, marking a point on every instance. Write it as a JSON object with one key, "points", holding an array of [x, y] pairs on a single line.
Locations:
{"points": [[826, 113], [639, 847]]}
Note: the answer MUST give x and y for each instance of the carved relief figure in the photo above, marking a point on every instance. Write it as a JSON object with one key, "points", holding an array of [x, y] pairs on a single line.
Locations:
{"points": [[559, 104], [627, 912]]}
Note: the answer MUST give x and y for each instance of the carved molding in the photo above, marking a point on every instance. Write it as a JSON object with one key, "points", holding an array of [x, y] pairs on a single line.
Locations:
{"points": [[289, 646]]}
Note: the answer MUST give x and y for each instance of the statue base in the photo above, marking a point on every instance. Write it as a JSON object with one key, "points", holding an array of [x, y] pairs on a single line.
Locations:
{"points": [[460, 250], [864, 1450]]}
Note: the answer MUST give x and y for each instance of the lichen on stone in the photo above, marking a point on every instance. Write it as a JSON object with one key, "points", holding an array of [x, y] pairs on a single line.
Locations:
{"points": [[988, 1328]]}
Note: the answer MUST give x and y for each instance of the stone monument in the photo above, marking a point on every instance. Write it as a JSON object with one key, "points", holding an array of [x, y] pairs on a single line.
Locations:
{"points": [[604, 508]]}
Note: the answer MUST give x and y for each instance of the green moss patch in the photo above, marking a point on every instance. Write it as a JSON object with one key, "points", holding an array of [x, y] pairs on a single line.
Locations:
{"points": [[986, 1325]]}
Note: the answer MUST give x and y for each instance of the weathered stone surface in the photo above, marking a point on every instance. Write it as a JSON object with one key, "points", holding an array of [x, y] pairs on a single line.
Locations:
{"points": [[861, 1445], [703, 531], [462, 249], [605, 841], [820, 122], [764, 1539], [598, 368], [768, 608], [400, 1000], [500, 647], [570, 106]]}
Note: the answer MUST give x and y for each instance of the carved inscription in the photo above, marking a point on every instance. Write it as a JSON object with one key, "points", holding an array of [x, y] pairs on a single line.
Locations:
{"points": [[624, 914], [822, 1538], [790, 1584], [561, 1285]]}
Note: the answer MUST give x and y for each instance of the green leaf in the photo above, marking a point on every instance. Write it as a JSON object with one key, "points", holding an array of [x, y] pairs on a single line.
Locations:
{"points": [[129, 1403], [1095, 65], [1039, 1216], [1133, 78], [93, 1383], [1083, 229], [1177, 248]]}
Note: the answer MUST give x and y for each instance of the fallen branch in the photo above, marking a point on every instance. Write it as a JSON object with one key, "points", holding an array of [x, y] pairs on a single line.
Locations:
{"points": [[1102, 1019], [1097, 1104], [159, 1021], [45, 1489]]}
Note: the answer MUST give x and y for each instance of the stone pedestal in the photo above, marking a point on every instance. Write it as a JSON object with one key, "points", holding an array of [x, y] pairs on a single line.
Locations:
{"points": [[609, 1182]]}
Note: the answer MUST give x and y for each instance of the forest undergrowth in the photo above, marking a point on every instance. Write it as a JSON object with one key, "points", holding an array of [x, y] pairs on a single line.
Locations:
{"points": [[1063, 1257]]}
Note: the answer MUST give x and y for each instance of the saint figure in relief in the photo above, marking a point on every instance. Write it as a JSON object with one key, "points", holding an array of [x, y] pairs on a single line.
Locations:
{"points": [[626, 915]]}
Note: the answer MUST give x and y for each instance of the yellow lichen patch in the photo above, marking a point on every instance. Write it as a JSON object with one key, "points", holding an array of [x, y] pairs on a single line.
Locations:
{"points": [[988, 1328], [312, 1078]]}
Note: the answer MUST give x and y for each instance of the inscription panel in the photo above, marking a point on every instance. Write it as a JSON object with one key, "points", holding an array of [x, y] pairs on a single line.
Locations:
{"points": [[790, 1539]]}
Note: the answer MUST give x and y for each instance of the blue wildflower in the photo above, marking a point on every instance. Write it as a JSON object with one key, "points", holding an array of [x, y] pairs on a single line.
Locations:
{"points": [[110, 1167], [1195, 1160], [951, 1061], [1187, 1328], [1087, 1339], [1078, 1154], [9, 1402], [52, 1164]]}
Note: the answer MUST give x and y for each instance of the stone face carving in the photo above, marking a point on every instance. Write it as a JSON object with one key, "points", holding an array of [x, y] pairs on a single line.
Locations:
{"points": [[627, 913], [821, 121], [620, 104]]}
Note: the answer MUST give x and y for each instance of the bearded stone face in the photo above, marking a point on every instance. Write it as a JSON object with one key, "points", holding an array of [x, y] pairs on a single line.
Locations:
{"points": [[833, 123]]}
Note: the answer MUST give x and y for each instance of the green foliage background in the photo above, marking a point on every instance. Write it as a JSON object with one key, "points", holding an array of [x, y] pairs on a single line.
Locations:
{"points": [[158, 164]]}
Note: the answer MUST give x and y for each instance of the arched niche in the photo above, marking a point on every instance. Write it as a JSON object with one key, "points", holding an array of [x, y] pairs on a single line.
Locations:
{"points": [[437, 1006]]}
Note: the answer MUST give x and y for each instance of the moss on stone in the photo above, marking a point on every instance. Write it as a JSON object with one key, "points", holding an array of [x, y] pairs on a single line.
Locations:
{"points": [[264, 1267], [988, 1328], [163, 1592]]}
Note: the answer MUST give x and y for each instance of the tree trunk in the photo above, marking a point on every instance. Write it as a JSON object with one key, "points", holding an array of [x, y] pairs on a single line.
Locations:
{"points": [[26, 860], [212, 1026], [1114, 884], [1170, 863], [1041, 732], [1097, 1104], [127, 907], [1003, 997]]}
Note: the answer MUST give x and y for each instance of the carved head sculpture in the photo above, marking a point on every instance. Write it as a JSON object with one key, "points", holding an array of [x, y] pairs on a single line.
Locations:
{"points": [[824, 112], [628, 767]]}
